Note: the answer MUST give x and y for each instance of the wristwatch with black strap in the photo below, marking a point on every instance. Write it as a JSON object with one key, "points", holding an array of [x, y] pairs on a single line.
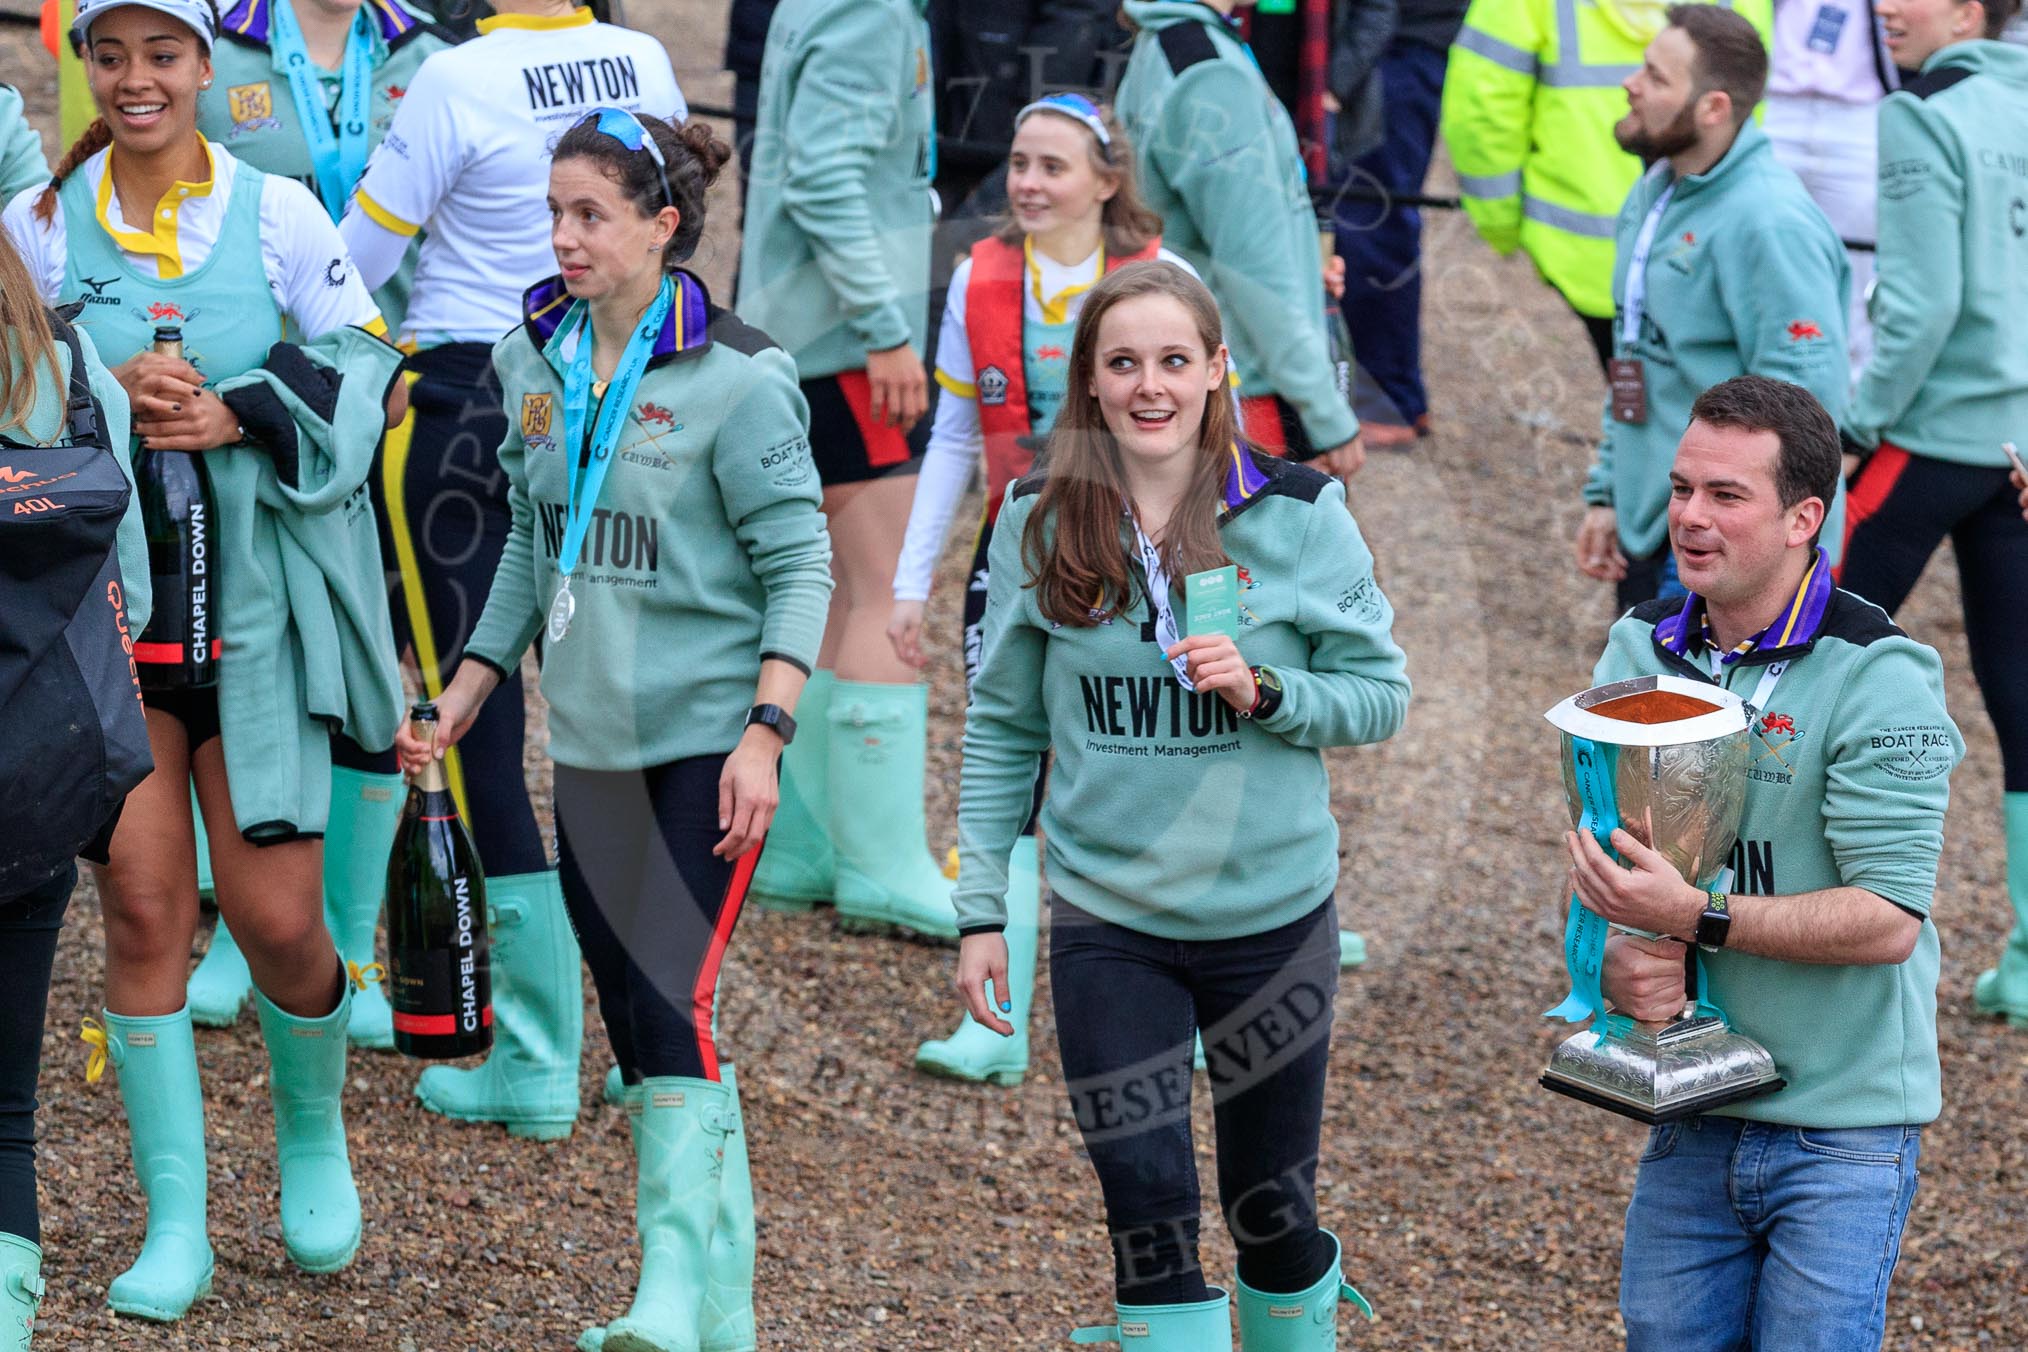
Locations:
{"points": [[775, 717], [1267, 693], [1715, 923]]}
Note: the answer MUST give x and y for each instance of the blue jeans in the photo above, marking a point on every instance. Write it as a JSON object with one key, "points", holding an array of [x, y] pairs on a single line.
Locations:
{"points": [[1748, 1235], [1381, 243]]}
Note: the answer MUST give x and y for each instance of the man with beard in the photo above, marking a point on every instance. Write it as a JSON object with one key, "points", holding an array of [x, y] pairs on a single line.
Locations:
{"points": [[1723, 267]]}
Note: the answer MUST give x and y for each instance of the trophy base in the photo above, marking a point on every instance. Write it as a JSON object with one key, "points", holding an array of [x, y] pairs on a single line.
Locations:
{"points": [[1660, 1072]]}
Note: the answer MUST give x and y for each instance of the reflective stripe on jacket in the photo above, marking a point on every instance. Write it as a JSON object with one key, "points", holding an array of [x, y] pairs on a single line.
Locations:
{"points": [[1530, 99]]}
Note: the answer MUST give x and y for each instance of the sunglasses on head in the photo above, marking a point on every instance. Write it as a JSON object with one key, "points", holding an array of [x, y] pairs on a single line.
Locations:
{"points": [[627, 129]]}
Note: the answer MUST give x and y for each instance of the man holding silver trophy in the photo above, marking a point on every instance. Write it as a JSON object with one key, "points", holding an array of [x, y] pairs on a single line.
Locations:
{"points": [[1773, 1220]]}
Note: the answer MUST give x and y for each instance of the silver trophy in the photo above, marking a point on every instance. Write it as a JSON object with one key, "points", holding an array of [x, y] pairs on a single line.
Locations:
{"points": [[1671, 755]]}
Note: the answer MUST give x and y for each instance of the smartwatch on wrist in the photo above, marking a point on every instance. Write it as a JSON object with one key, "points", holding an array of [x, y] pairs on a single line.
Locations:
{"points": [[1715, 923], [1267, 693], [775, 718]]}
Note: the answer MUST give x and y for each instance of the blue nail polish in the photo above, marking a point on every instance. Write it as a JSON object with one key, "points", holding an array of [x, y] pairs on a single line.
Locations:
{"points": [[1006, 1006]]}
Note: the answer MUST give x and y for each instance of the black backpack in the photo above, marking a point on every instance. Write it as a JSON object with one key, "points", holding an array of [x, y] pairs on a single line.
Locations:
{"points": [[73, 741]]}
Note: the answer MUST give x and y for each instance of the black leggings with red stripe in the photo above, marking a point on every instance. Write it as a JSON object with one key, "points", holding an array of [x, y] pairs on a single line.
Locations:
{"points": [[653, 907], [1899, 509]]}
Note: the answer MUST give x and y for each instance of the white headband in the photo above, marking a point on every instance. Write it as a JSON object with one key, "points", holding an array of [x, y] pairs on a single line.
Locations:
{"points": [[195, 13], [1076, 107]]}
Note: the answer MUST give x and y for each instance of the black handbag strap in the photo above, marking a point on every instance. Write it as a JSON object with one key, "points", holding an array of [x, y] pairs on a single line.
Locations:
{"points": [[82, 414], [84, 421]]}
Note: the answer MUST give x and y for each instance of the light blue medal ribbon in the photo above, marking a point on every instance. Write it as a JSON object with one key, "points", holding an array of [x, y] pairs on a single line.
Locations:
{"points": [[337, 155], [1584, 933], [590, 457]]}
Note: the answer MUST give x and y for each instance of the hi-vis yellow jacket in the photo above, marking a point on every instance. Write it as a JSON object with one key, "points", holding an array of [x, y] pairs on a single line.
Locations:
{"points": [[1530, 99]]}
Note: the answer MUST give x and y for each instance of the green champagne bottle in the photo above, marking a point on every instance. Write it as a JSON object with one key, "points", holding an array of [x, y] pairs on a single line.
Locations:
{"points": [[439, 969]]}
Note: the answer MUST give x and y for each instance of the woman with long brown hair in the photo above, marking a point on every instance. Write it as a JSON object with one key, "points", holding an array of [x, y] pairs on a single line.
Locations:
{"points": [[1074, 215], [1176, 905], [281, 394], [50, 374]]}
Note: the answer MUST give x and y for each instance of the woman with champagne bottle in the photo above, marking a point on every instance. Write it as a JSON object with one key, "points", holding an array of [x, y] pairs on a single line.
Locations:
{"points": [[305, 89], [667, 543], [148, 225], [464, 166]]}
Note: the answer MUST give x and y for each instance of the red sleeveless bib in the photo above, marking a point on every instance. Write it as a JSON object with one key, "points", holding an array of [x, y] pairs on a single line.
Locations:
{"points": [[993, 305]]}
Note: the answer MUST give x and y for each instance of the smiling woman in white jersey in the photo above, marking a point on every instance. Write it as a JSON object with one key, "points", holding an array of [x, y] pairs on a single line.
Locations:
{"points": [[466, 162], [144, 224]]}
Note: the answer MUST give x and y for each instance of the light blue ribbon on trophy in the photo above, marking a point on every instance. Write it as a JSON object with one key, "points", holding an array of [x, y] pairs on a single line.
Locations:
{"points": [[1584, 932], [589, 450], [338, 155]]}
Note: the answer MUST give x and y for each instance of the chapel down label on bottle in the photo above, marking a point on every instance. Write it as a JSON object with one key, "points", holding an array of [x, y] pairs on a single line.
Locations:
{"points": [[442, 988], [179, 648]]}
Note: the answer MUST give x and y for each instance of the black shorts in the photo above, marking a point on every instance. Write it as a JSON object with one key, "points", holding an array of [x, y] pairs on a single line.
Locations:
{"points": [[847, 444], [196, 710]]}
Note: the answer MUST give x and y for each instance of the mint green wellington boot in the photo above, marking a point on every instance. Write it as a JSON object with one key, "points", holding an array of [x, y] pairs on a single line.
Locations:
{"points": [[21, 1292], [157, 1063], [797, 865], [1306, 1321], [885, 873], [1205, 1326], [528, 1082], [1351, 949], [976, 1052], [727, 1323], [2004, 989], [221, 985], [306, 1084], [728, 1297], [615, 1088], [680, 1132], [365, 810]]}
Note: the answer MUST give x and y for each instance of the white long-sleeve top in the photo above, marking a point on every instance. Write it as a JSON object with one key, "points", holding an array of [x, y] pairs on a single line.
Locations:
{"points": [[956, 441]]}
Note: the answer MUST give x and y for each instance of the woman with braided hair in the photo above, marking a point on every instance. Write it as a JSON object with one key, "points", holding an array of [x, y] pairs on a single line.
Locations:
{"points": [[147, 224], [306, 89]]}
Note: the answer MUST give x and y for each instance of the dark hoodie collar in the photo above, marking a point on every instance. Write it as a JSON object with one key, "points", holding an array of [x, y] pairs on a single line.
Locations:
{"points": [[251, 21], [546, 305], [1244, 481], [1793, 632]]}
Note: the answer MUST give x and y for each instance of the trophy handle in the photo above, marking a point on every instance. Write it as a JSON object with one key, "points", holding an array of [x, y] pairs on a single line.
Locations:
{"points": [[1692, 995]]}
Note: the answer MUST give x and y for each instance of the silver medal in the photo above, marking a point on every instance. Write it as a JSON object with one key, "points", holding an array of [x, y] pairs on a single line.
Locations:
{"points": [[560, 612]]}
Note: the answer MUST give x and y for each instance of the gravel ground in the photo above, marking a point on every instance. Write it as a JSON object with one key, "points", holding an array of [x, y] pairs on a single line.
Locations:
{"points": [[1477, 1210]]}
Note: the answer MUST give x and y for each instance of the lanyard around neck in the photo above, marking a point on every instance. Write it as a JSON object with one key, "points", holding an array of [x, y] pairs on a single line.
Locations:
{"points": [[1166, 634], [1636, 296], [1770, 677], [589, 450], [337, 154]]}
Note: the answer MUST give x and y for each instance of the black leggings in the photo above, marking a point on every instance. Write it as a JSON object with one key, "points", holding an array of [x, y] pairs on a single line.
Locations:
{"points": [[1127, 1004], [442, 500], [975, 634], [1900, 507], [653, 907], [28, 929]]}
